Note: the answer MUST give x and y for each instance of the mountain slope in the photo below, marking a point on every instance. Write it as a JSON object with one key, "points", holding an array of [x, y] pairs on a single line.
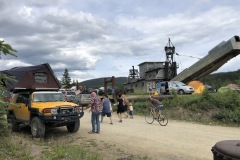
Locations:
{"points": [[99, 82]]}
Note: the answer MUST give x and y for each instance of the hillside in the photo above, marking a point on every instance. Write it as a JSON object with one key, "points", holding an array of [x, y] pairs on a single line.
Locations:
{"points": [[99, 82], [216, 80]]}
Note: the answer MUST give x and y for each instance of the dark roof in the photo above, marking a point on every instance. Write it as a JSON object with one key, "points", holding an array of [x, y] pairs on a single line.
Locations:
{"points": [[149, 63], [26, 74]]}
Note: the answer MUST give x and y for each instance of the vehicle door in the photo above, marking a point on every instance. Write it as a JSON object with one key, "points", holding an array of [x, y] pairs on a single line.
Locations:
{"points": [[173, 87], [22, 112]]}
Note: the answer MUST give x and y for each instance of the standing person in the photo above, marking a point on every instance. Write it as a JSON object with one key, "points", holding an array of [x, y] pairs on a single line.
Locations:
{"points": [[120, 107], [158, 86], [166, 88], [130, 110], [96, 109], [125, 103], [149, 88], [107, 108]]}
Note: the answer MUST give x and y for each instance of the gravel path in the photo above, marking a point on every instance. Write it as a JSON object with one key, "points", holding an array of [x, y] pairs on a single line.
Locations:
{"points": [[176, 141]]}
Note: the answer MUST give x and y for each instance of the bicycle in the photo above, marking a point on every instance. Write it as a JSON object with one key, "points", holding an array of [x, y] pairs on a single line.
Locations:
{"points": [[150, 116]]}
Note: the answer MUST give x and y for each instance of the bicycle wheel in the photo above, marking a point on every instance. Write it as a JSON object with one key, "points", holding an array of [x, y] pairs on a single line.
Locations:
{"points": [[149, 117], [162, 119]]}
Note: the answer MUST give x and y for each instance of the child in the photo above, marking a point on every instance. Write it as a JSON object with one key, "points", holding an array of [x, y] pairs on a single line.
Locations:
{"points": [[130, 110]]}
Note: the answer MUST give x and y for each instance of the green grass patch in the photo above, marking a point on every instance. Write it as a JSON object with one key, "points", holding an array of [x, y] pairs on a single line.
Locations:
{"points": [[206, 108], [12, 150]]}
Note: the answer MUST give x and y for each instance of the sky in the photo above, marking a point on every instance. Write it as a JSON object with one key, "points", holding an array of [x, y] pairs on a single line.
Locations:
{"points": [[105, 38]]}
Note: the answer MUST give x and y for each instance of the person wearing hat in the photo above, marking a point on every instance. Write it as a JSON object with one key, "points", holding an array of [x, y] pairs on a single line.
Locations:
{"points": [[130, 107]]}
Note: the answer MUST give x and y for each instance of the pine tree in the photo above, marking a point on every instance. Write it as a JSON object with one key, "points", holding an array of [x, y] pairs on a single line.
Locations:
{"points": [[5, 49], [66, 80]]}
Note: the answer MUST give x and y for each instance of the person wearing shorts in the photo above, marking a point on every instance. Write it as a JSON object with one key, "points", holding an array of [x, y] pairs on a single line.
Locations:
{"points": [[131, 110], [106, 108], [157, 105]]}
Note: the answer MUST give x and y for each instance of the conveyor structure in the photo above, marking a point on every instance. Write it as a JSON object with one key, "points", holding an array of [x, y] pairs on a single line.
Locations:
{"points": [[216, 57]]}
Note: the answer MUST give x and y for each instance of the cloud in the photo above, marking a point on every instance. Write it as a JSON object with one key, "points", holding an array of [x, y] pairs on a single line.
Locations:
{"points": [[95, 39]]}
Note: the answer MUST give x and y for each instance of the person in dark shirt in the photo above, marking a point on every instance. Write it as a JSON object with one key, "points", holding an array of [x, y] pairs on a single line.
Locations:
{"points": [[120, 107], [106, 108], [166, 88], [157, 105]]}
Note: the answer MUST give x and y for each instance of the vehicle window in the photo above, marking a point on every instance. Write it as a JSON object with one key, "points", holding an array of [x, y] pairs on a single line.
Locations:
{"points": [[180, 84], [48, 97], [86, 96], [19, 99], [71, 93], [38, 97], [58, 97], [22, 98], [174, 84]]}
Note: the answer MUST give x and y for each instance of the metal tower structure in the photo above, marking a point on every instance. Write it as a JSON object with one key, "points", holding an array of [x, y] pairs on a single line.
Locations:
{"points": [[170, 65]]}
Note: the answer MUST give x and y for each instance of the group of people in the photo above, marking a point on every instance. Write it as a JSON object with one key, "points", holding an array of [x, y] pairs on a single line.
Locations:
{"points": [[102, 107], [158, 88]]}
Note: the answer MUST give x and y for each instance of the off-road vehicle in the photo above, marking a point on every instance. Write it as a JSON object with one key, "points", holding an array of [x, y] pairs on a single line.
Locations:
{"points": [[37, 101], [41, 109]]}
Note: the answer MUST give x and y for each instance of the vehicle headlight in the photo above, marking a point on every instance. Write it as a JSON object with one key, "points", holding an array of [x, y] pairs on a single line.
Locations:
{"points": [[54, 111]]}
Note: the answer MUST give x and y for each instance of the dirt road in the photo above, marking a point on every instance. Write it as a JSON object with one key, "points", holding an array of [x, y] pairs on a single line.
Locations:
{"points": [[136, 139]]}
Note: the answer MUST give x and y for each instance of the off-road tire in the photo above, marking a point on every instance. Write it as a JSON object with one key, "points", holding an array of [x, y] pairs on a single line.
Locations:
{"points": [[15, 124], [37, 128], [73, 127]]}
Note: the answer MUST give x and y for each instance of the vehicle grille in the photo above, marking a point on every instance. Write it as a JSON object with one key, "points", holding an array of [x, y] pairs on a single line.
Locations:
{"points": [[66, 111]]}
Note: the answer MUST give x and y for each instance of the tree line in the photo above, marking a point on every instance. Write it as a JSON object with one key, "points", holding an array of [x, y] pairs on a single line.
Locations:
{"points": [[217, 80]]}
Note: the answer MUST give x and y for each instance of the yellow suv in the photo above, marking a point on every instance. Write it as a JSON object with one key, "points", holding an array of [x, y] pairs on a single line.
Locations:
{"points": [[41, 109]]}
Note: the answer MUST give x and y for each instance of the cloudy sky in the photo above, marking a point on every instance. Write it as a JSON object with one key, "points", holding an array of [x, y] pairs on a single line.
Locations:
{"points": [[104, 38]]}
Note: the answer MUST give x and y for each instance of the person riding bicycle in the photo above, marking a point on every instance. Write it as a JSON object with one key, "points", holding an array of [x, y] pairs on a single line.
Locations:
{"points": [[156, 104]]}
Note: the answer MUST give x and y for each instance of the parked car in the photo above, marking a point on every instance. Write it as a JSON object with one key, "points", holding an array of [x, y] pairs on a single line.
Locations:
{"points": [[100, 92], [82, 99], [69, 95], [176, 86]]}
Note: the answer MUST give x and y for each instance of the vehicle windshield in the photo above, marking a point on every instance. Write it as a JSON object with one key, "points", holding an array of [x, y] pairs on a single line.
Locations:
{"points": [[48, 97], [180, 83]]}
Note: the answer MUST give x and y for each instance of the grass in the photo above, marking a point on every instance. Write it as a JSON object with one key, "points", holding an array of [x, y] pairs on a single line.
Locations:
{"points": [[207, 108], [12, 150]]}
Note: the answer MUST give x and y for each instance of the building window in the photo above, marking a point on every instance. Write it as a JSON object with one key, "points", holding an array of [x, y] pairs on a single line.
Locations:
{"points": [[136, 85], [40, 78], [142, 84]]}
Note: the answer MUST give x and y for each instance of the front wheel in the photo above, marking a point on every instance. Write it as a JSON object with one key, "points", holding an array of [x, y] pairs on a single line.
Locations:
{"points": [[162, 119], [181, 92], [74, 127], [37, 128], [149, 117]]}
